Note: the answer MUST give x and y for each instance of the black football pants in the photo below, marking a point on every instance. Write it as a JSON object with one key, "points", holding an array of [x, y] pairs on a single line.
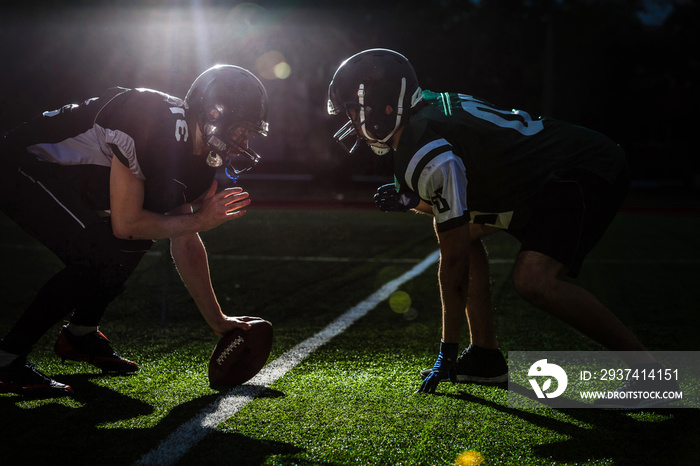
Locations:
{"points": [[97, 264]]}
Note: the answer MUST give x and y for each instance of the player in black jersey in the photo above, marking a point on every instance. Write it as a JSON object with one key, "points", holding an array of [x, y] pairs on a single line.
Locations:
{"points": [[479, 169], [99, 182]]}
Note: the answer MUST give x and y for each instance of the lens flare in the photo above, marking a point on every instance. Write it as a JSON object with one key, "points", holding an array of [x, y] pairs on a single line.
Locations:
{"points": [[272, 65], [282, 70], [400, 302], [469, 458], [410, 315]]}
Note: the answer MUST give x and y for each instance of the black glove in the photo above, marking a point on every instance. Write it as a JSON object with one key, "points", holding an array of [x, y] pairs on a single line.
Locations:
{"points": [[388, 200]]}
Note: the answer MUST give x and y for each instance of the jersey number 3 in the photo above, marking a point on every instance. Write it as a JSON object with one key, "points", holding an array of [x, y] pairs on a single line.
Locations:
{"points": [[181, 129]]}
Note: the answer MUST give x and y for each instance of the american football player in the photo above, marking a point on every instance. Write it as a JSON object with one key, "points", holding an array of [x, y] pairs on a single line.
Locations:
{"points": [[479, 169], [98, 182]]}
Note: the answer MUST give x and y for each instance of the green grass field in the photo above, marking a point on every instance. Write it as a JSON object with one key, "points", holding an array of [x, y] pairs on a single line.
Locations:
{"points": [[352, 401]]}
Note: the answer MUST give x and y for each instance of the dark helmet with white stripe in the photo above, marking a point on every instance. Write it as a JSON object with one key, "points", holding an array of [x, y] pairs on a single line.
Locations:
{"points": [[376, 89], [230, 104]]}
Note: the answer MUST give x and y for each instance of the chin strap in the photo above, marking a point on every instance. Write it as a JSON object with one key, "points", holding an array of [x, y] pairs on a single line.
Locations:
{"points": [[215, 161], [380, 148], [233, 176]]}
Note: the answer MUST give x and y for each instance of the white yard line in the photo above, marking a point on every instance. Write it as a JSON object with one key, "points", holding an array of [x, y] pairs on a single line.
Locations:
{"points": [[189, 434]]}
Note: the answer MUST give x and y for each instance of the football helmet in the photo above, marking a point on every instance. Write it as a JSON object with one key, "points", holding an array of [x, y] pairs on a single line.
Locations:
{"points": [[229, 104], [375, 89]]}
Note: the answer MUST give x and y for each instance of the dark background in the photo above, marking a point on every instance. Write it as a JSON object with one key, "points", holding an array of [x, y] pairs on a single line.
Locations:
{"points": [[628, 68]]}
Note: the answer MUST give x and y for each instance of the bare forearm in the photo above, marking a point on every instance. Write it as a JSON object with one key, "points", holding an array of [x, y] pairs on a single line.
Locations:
{"points": [[423, 208], [453, 275], [150, 225], [453, 291], [479, 306], [192, 264], [131, 221]]}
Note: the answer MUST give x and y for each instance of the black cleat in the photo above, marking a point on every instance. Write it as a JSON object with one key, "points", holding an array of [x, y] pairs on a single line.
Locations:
{"points": [[93, 348], [22, 377]]}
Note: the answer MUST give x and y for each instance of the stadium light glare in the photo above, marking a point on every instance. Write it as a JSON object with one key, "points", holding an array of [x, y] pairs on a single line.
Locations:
{"points": [[282, 70], [272, 65]]}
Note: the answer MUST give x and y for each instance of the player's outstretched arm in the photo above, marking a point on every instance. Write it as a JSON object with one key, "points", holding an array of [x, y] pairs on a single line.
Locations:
{"points": [[191, 260], [453, 276], [131, 221]]}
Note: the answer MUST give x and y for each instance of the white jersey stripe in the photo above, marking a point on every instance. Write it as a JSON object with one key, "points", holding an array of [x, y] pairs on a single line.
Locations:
{"points": [[82, 149], [424, 186], [63, 206], [415, 160]]}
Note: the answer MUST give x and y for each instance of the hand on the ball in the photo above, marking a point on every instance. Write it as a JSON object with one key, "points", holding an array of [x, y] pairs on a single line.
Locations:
{"points": [[229, 323]]}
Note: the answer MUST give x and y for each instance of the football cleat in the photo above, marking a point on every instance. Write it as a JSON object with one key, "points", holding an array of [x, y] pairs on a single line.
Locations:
{"points": [[93, 348], [478, 365], [23, 378]]}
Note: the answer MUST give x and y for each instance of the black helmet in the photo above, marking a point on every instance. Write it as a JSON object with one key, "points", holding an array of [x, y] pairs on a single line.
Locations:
{"points": [[375, 89], [229, 102]]}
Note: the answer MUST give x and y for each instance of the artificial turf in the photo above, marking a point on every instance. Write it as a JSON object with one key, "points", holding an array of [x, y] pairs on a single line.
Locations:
{"points": [[353, 400]]}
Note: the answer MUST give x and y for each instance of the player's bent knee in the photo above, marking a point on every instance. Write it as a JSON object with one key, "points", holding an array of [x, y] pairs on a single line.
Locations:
{"points": [[528, 285], [534, 276]]}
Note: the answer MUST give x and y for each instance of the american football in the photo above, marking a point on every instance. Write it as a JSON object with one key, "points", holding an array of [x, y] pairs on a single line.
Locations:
{"points": [[239, 355]]}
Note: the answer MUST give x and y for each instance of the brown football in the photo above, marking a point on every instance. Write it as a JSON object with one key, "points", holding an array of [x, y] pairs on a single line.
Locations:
{"points": [[239, 355]]}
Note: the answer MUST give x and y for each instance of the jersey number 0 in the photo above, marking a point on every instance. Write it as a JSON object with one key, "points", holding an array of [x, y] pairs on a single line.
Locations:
{"points": [[516, 119]]}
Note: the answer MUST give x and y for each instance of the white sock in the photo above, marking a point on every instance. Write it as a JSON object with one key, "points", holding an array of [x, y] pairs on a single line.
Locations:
{"points": [[80, 330], [7, 358]]}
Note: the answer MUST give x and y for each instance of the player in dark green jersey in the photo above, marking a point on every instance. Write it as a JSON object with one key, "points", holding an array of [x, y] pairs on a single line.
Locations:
{"points": [[479, 169]]}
